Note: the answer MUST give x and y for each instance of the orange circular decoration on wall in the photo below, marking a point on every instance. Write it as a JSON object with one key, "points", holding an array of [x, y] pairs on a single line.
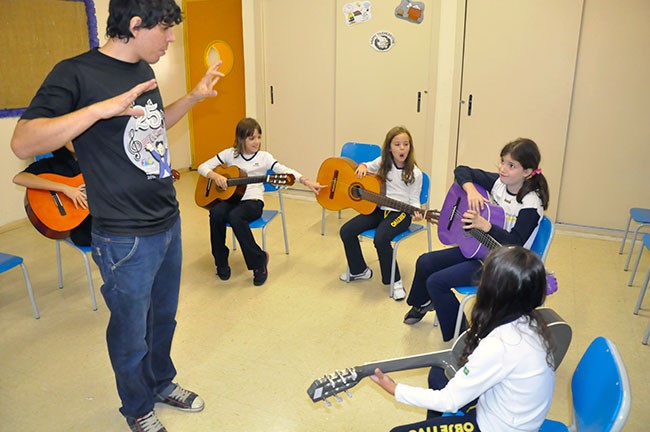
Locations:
{"points": [[219, 50]]}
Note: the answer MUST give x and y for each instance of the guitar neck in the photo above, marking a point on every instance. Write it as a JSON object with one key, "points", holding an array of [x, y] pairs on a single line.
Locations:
{"points": [[246, 180], [439, 358], [388, 202], [484, 238]]}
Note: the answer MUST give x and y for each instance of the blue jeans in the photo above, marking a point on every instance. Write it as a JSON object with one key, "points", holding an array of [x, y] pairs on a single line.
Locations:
{"points": [[141, 285]]}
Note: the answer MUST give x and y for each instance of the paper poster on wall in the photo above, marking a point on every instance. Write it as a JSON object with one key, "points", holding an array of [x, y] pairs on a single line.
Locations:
{"points": [[382, 41], [411, 11], [357, 12]]}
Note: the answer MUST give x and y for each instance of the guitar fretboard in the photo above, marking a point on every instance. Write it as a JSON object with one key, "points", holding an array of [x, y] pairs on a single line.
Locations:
{"points": [[246, 180], [481, 236], [392, 203]]}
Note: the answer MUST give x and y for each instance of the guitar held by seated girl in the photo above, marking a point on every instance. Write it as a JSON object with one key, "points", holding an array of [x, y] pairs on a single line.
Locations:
{"points": [[347, 190]]}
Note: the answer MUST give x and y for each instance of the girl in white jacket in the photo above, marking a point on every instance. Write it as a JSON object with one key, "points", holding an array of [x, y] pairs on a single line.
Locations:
{"points": [[506, 383]]}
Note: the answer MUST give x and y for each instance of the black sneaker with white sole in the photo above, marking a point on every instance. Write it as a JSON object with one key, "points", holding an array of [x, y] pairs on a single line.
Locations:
{"points": [[147, 423]]}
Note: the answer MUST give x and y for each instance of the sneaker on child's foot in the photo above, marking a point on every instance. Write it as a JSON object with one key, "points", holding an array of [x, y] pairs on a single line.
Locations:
{"points": [[415, 314], [398, 290], [147, 423], [260, 274], [183, 400], [365, 275], [223, 272]]}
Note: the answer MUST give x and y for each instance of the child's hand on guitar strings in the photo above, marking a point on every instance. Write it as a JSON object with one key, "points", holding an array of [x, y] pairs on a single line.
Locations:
{"points": [[77, 195], [473, 219]]}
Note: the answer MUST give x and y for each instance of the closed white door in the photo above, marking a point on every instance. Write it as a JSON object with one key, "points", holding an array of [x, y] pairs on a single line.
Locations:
{"points": [[378, 90], [518, 71], [299, 82]]}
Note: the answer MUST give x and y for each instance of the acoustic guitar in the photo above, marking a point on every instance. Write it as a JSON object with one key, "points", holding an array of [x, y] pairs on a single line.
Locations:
{"points": [[207, 193], [53, 214], [330, 385], [346, 190], [473, 242]]}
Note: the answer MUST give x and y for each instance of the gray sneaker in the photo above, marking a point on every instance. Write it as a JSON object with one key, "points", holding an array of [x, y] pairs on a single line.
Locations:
{"points": [[147, 423], [365, 275], [183, 400]]}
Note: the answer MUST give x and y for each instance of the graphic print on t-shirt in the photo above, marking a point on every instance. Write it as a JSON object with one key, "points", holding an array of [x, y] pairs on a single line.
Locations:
{"points": [[145, 142]]}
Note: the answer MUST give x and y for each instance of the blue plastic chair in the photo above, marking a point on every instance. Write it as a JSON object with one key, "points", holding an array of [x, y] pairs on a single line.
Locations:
{"points": [[644, 286], [358, 152], [7, 262], [600, 392], [413, 229], [85, 251], [266, 218], [540, 246], [642, 217]]}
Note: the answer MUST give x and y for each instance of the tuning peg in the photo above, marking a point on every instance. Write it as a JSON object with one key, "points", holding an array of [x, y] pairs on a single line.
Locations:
{"points": [[349, 394], [327, 403], [338, 399]]}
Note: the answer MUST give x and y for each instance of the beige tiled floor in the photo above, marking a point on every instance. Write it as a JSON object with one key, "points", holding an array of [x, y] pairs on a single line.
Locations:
{"points": [[251, 352]]}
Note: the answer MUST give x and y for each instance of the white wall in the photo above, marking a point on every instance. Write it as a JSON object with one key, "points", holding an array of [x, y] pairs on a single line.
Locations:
{"points": [[170, 71]]}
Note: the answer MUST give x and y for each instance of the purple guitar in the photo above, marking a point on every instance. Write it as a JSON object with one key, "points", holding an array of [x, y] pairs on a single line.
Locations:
{"points": [[473, 243]]}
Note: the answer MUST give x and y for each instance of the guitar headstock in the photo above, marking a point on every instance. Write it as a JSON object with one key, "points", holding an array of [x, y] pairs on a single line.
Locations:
{"points": [[281, 179], [333, 384]]}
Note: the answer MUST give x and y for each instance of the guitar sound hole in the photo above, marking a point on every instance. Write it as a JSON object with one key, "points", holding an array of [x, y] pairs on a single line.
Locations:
{"points": [[355, 192]]}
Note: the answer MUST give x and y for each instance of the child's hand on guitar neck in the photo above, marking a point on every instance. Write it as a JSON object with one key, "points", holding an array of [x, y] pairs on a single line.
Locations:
{"points": [[384, 381]]}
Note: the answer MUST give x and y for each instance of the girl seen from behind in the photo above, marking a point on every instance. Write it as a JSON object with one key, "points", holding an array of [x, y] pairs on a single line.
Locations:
{"points": [[507, 379]]}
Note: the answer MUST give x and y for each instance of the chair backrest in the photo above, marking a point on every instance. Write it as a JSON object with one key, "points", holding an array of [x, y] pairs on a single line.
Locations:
{"points": [[43, 156], [600, 389], [360, 152], [424, 193], [544, 237]]}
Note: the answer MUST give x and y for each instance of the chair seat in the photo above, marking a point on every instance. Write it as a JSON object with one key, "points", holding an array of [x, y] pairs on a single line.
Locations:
{"points": [[466, 290], [267, 216], [641, 215], [411, 230], [8, 261], [553, 426]]}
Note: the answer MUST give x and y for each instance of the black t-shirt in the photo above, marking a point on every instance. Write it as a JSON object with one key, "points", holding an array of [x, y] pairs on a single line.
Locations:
{"points": [[63, 163], [125, 160]]}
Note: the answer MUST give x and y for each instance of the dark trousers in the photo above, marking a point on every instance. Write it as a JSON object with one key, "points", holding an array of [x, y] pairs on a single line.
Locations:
{"points": [[388, 224], [238, 215], [465, 421], [436, 273]]}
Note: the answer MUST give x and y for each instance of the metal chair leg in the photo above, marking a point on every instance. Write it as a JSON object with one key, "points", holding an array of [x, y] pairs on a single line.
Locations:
{"points": [[636, 265], [30, 291], [627, 230], [644, 287]]}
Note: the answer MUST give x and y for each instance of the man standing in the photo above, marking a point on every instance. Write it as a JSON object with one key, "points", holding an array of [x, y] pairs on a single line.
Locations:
{"points": [[107, 102]]}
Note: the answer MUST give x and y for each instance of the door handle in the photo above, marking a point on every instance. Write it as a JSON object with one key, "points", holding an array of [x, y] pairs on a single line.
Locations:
{"points": [[469, 106], [419, 100], [271, 95]]}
